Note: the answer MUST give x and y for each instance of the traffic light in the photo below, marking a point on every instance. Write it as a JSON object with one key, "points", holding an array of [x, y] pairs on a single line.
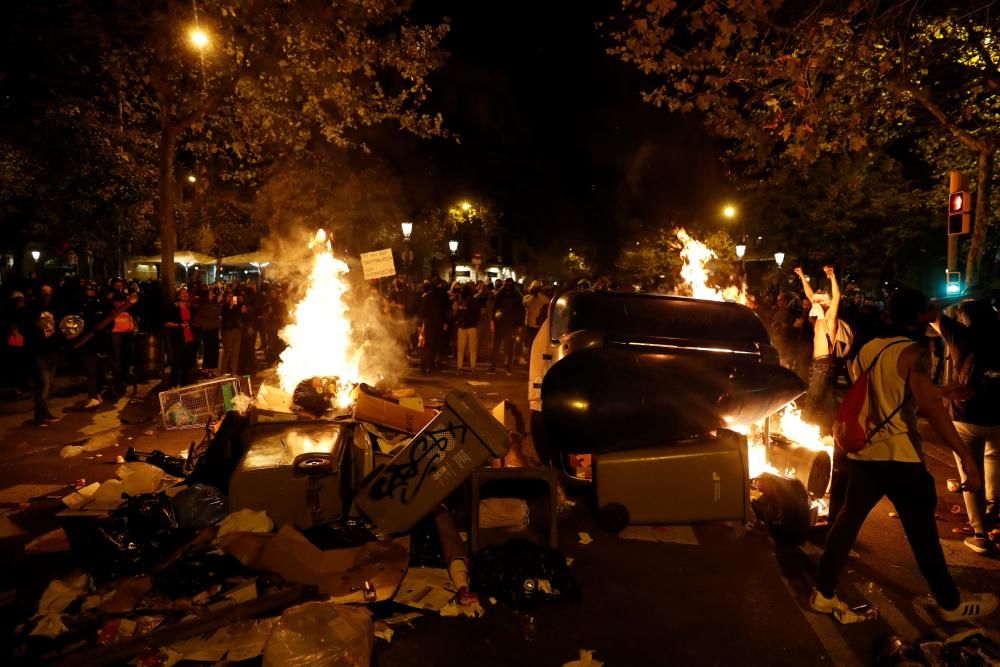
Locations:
{"points": [[953, 283], [959, 213]]}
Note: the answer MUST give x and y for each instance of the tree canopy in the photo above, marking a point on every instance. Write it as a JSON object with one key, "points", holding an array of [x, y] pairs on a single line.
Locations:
{"points": [[794, 81]]}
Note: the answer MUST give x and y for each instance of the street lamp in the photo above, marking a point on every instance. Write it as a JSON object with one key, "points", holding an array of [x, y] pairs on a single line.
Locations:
{"points": [[35, 254], [191, 178], [407, 230], [779, 258], [199, 38], [741, 250], [453, 246], [465, 206], [729, 212]]}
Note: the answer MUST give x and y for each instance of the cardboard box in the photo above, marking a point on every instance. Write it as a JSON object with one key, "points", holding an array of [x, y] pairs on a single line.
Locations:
{"points": [[391, 415]]}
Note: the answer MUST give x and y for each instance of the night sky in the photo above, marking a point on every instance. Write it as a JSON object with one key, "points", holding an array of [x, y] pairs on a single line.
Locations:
{"points": [[554, 132]]}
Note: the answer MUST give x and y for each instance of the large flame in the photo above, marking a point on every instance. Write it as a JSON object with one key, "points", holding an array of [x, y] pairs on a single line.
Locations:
{"points": [[695, 274], [790, 424], [320, 337]]}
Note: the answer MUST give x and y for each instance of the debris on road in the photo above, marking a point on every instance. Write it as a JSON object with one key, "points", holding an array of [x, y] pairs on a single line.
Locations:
{"points": [[586, 659], [585, 538]]}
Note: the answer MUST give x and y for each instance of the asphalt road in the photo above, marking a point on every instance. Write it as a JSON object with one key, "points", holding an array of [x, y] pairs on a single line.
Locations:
{"points": [[702, 595]]}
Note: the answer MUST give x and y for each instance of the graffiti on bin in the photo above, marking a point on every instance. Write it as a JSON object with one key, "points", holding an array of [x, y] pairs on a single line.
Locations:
{"points": [[419, 461]]}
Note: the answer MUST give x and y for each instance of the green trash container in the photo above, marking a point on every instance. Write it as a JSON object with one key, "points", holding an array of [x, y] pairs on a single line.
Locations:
{"points": [[438, 459]]}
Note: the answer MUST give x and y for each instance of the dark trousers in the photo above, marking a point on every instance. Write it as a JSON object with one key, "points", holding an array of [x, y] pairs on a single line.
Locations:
{"points": [[93, 369], [210, 340], [432, 345], [503, 334], [45, 371], [183, 357], [121, 359], [911, 489]]}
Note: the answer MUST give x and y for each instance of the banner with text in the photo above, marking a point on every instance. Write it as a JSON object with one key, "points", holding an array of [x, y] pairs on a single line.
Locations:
{"points": [[378, 264]]}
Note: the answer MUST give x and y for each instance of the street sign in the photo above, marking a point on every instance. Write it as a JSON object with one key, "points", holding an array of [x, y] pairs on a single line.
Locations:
{"points": [[378, 264], [477, 259]]}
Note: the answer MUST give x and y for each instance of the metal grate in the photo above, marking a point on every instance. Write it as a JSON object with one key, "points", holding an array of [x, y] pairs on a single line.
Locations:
{"points": [[194, 405]]}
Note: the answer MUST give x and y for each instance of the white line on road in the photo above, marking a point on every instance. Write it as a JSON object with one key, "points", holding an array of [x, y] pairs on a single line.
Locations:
{"points": [[822, 626], [887, 611]]}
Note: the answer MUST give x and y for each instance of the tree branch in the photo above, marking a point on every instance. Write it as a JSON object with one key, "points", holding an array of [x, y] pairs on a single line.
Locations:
{"points": [[964, 136]]}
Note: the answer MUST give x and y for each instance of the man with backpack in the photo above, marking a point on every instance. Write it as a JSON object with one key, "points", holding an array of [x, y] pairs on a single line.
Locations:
{"points": [[974, 347], [884, 445]]}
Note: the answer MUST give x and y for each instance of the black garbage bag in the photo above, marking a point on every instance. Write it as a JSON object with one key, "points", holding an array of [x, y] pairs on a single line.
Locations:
{"points": [[218, 454], [200, 506], [515, 572], [783, 507], [188, 577], [316, 394], [172, 465], [148, 514]]}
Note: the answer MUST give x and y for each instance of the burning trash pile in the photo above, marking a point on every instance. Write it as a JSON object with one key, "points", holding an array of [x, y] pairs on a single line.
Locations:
{"points": [[280, 526]]}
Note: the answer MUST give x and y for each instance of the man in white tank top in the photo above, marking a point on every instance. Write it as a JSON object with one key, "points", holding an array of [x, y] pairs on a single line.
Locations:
{"points": [[892, 464]]}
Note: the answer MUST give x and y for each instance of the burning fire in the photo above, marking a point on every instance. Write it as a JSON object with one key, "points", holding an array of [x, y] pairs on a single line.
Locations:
{"points": [[790, 424], [320, 338], [695, 275]]}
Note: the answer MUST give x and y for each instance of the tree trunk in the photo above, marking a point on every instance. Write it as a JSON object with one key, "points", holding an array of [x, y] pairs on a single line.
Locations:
{"points": [[984, 184], [168, 225]]}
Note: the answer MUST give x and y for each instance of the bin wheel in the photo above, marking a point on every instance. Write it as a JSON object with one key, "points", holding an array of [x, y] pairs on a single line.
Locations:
{"points": [[313, 466], [613, 517]]}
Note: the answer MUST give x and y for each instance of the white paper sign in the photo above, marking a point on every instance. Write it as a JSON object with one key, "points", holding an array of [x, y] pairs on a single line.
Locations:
{"points": [[378, 264]]}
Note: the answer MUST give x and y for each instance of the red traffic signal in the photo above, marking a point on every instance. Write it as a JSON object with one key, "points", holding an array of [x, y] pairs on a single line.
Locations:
{"points": [[959, 213], [959, 202]]}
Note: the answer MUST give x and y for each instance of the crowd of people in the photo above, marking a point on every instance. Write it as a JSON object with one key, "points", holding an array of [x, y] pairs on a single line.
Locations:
{"points": [[97, 330], [493, 320]]}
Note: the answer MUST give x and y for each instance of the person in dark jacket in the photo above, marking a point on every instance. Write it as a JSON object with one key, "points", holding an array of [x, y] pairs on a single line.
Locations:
{"points": [[207, 322], [508, 314], [232, 335], [44, 341], [467, 314], [433, 312], [95, 350], [183, 344]]}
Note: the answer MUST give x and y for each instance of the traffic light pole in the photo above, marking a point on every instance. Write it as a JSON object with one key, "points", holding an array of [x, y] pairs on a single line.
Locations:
{"points": [[956, 186]]}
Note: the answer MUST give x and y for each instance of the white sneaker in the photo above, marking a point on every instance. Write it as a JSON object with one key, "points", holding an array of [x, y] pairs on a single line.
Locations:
{"points": [[91, 404], [824, 605], [971, 605]]}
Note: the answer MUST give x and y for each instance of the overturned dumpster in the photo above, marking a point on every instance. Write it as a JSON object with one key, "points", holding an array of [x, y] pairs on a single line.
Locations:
{"points": [[659, 389]]}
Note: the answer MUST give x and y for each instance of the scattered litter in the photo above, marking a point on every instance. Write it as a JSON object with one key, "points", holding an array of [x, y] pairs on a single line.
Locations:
{"points": [[957, 509], [246, 521], [865, 612], [453, 608], [586, 659], [964, 530], [119, 459], [569, 561], [316, 634], [511, 572], [241, 403], [383, 632], [510, 513], [244, 592], [668, 534], [102, 441], [478, 383], [585, 538], [69, 451], [493, 600], [200, 506], [54, 541], [426, 588], [953, 485], [401, 619], [81, 495], [95, 601], [50, 626], [61, 594], [149, 432]]}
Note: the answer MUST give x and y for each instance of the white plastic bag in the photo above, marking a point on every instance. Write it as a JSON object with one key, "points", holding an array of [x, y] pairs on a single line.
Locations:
{"points": [[321, 634]]}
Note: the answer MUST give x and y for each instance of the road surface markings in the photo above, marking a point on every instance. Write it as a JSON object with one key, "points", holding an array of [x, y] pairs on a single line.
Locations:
{"points": [[822, 626], [670, 534], [888, 611]]}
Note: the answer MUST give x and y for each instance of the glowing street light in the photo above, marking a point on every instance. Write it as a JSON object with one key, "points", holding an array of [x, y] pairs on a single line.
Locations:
{"points": [[199, 38], [407, 229], [465, 206], [779, 258], [35, 254], [741, 250], [729, 212], [191, 178], [453, 246]]}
